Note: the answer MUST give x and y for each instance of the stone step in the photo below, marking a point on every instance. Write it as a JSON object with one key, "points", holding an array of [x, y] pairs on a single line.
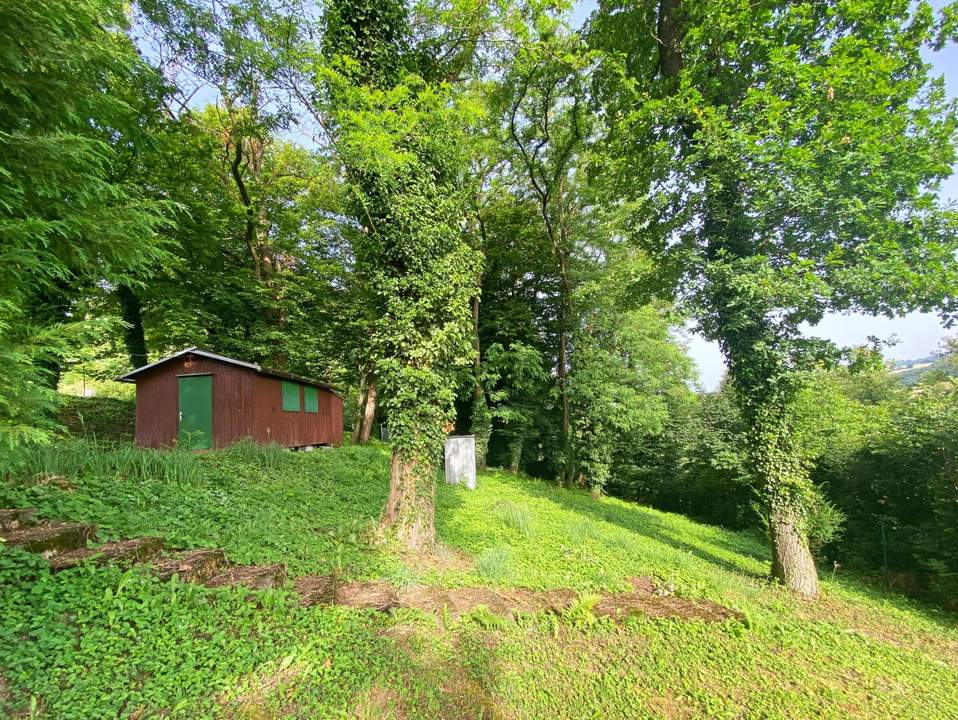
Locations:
{"points": [[253, 577], [315, 589], [16, 518], [197, 566], [130, 551], [50, 538]]}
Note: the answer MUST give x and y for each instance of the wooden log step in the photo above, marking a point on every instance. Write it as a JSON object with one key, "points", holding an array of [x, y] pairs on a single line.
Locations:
{"points": [[377, 595], [253, 577], [316, 589], [16, 518], [197, 566], [50, 538], [128, 551]]}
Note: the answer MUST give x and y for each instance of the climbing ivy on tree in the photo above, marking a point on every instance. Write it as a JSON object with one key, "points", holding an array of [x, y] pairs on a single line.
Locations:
{"points": [[783, 159], [401, 141]]}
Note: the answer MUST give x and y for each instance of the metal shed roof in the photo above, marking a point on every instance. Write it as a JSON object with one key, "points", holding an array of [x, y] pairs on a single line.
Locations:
{"points": [[131, 376]]}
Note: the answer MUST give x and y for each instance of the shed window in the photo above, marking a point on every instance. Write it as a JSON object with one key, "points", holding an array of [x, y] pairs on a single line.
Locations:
{"points": [[311, 399], [291, 396]]}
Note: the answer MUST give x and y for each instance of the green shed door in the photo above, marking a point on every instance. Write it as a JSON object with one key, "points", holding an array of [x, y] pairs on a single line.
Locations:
{"points": [[196, 412]]}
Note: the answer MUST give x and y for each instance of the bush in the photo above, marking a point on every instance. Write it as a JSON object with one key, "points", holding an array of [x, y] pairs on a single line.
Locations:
{"points": [[900, 495], [98, 418], [825, 523]]}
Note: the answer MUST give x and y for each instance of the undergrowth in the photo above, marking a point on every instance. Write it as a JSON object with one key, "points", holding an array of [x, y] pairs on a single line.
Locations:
{"points": [[108, 642]]}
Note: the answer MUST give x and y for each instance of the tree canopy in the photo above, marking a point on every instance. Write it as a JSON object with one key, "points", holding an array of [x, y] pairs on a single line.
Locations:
{"points": [[480, 218]]}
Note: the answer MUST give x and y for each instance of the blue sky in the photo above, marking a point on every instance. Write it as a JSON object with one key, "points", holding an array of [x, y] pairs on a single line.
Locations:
{"points": [[918, 334]]}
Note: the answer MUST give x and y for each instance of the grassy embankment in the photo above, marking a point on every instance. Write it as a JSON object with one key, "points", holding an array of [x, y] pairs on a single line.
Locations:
{"points": [[107, 642]]}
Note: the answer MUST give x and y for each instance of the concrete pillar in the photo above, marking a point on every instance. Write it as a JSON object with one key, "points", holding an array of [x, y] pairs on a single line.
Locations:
{"points": [[461, 460]]}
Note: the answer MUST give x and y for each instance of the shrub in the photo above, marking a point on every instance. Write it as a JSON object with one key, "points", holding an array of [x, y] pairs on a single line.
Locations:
{"points": [[98, 418]]}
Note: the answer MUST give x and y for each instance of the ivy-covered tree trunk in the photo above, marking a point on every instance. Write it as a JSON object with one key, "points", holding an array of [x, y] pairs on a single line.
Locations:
{"points": [[764, 375], [411, 507], [787, 492], [131, 310], [400, 139]]}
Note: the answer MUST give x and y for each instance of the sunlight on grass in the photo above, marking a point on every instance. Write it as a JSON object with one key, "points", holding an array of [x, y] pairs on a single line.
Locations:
{"points": [[859, 652]]}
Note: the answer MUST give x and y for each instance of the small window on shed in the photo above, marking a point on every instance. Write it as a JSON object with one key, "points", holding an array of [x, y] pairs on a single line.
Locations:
{"points": [[310, 399], [291, 396]]}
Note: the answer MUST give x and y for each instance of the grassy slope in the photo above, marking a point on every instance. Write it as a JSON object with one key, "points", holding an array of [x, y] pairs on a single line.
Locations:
{"points": [[103, 643]]}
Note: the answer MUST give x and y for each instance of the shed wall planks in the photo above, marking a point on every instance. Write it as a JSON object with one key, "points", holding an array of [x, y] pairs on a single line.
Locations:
{"points": [[246, 404]]}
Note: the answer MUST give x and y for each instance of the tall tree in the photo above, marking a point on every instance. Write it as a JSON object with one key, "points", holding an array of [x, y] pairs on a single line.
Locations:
{"points": [[546, 119], [400, 139], [74, 96], [783, 159]]}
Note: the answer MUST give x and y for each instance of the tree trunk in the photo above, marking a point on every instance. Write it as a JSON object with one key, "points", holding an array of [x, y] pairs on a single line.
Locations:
{"points": [[670, 33], [562, 373], [481, 420], [779, 464], [47, 309], [515, 455], [563, 384], [792, 561], [131, 310], [369, 413], [476, 363], [360, 405], [410, 508]]}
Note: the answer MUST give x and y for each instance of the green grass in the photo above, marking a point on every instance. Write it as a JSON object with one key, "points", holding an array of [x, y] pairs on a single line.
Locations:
{"points": [[97, 643]]}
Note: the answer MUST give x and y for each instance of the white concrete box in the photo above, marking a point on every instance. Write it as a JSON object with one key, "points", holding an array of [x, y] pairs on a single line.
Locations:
{"points": [[461, 460]]}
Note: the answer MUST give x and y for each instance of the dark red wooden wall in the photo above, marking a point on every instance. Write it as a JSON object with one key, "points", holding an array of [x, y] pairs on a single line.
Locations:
{"points": [[294, 429], [246, 404]]}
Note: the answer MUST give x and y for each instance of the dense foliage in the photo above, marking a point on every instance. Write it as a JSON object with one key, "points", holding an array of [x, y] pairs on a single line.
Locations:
{"points": [[783, 160], [482, 218], [881, 455]]}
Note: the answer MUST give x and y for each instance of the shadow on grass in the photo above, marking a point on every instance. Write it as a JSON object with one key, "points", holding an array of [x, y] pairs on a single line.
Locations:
{"points": [[704, 542], [643, 521]]}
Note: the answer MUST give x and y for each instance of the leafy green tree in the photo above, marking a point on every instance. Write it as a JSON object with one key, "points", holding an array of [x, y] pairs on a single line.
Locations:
{"points": [[515, 380], [75, 97], [627, 370], [783, 159], [400, 140], [544, 107]]}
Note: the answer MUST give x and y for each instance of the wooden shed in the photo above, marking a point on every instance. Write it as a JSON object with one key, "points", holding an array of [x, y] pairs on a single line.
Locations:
{"points": [[199, 400]]}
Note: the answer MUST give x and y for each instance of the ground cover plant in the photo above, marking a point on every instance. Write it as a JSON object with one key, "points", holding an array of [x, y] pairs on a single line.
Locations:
{"points": [[113, 642]]}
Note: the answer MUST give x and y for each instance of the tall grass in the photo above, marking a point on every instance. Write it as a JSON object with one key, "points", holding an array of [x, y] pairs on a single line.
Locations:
{"points": [[495, 563], [515, 516], [119, 460], [266, 457]]}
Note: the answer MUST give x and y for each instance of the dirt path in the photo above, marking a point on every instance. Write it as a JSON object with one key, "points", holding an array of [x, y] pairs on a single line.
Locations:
{"points": [[644, 599]]}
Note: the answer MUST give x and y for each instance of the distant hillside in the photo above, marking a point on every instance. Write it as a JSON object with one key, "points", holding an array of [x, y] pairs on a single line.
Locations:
{"points": [[911, 371]]}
